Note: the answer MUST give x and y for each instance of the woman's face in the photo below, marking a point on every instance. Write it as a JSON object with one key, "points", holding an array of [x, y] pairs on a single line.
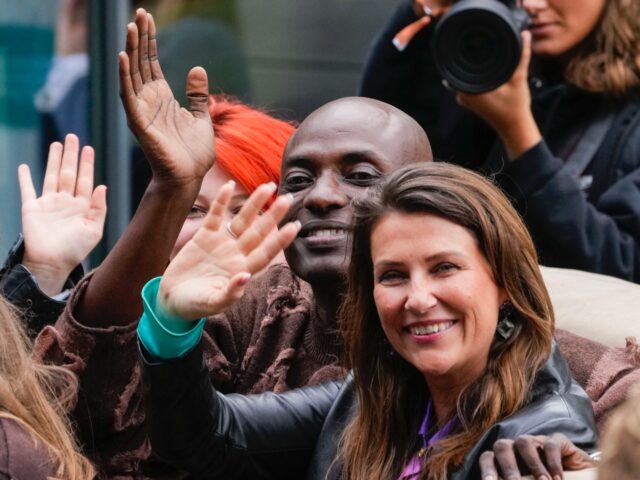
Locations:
{"points": [[435, 295], [560, 25], [212, 182]]}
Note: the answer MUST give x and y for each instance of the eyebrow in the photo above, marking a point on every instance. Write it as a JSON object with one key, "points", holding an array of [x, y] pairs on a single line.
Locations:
{"points": [[429, 259], [350, 158]]}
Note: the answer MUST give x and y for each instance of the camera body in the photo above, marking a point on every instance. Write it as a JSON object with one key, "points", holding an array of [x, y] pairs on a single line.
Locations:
{"points": [[477, 44]]}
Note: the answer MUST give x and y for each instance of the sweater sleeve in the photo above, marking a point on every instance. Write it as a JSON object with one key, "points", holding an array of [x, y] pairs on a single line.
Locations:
{"points": [[165, 335], [266, 436], [569, 230]]}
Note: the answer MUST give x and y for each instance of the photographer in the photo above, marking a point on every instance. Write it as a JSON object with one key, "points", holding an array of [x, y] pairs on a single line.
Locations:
{"points": [[561, 136]]}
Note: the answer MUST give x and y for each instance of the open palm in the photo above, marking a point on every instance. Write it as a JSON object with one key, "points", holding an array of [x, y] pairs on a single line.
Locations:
{"points": [[178, 142], [64, 224], [209, 274]]}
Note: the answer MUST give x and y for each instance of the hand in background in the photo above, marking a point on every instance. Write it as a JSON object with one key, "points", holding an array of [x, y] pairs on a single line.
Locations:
{"points": [[178, 142], [210, 272], [66, 222], [508, 108], [540, 455]]}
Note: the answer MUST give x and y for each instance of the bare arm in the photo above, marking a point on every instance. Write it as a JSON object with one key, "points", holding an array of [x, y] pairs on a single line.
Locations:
{"points": [[179, 145]]}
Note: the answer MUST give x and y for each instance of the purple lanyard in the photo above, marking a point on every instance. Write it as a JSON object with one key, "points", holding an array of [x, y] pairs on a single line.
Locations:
{"points": [[413, 468]]}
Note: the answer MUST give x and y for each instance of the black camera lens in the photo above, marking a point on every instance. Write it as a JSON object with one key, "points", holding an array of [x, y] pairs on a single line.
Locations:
{"points": [[477, 44]]}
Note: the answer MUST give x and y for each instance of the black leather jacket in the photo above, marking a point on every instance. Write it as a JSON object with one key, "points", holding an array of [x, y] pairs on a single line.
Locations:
{"points": [[295, 434], [19, 286]]}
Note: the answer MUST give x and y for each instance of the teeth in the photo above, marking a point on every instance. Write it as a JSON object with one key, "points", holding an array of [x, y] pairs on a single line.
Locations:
{"points": [[326, 232], [430, 329]]}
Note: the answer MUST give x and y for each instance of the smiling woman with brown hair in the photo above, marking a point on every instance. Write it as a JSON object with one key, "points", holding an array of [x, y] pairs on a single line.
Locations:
{"points": [[447, 327]]}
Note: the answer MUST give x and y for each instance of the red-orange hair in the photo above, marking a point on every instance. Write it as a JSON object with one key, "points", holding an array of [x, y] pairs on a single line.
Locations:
{"points": [[249, 143]]}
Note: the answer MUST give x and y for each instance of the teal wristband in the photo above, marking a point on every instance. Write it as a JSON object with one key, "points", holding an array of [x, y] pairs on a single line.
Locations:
{"points": [[163, 334]]}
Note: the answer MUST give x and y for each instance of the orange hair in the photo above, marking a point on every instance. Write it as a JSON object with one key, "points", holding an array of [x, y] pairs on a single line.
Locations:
{"points": [[249, 143]]}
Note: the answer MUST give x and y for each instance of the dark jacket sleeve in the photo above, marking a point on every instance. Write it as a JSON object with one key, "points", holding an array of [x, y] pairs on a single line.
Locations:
{"points": [[569, 230], [19, 287], [210, 435]]}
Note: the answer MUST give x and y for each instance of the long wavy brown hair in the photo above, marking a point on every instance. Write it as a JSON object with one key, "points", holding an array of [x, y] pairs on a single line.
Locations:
{"points": [[37, 397], [608, 61], [392, 394]]}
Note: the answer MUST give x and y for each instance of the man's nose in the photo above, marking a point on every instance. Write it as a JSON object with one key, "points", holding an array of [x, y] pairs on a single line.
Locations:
{"points": [[326, 194]]}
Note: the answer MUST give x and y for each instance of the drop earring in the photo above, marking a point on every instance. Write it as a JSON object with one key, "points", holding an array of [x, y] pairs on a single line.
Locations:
{"points": [[505, 326]]}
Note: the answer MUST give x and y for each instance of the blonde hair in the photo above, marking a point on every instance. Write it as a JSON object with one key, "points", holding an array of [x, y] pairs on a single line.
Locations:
{"points": [[392, 394], [37, 397], [608, 61]]}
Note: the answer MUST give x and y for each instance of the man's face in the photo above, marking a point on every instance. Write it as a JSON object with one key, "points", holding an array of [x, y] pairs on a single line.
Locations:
{"points": [[334, 157]]}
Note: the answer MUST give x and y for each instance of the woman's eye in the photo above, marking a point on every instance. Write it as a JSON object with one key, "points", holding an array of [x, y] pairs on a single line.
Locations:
{"points": [[445, 267], [197, 212], [390, 277]]}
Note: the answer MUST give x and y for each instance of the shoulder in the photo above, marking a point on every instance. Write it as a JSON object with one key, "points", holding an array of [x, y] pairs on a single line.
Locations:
{"points": [[21, 456]]}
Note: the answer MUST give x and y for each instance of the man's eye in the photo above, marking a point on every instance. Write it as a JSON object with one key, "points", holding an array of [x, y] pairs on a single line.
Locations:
{"points": [[297, 181], [197, 212], [363, 177]]}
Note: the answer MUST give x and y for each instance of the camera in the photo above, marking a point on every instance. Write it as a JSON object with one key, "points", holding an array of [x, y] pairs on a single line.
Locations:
{"points": [[477, 44]]}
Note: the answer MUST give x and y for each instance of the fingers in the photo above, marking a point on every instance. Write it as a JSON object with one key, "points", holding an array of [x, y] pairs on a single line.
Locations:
{"points": [[236, 286], [257, 231], [506, 459], [69, 166], [525, 56], [156, 71], [52, 171], [252, 208], [142, 21], [84, 184], [271, 246], [27, 190], [488, 470], [198, 93], [98, 206], [528, 449], [215, 216], [132, 53], [127, 92]]}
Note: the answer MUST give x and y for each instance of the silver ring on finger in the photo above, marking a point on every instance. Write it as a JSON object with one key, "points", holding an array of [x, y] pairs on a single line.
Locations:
{"points": [[231, 233]]}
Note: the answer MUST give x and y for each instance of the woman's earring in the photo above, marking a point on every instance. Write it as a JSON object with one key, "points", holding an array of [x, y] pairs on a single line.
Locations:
{"points": [[505, 326]]}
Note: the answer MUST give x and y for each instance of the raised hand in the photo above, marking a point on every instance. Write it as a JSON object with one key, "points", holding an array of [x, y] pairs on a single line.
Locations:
{"points": [[66, 222], [210, 272], [178, 142]]}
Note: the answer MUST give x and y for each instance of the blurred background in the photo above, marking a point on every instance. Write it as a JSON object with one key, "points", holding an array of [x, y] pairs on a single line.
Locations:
{"points": [[58, 74]]}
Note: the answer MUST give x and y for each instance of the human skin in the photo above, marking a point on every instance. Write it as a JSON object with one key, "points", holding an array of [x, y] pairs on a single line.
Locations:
{"points": [[437, 300], [336, 154]]}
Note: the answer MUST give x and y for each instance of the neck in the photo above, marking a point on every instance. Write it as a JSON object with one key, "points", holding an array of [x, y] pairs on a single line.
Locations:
{"points": [[445, 391], [328, 295]]}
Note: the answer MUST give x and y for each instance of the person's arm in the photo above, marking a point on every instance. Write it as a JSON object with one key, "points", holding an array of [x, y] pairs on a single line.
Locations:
{"points": [[179, 145], [269, 436], [570, 231]]}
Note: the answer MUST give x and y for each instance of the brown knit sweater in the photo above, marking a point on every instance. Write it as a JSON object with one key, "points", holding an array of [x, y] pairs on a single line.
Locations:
{"points": [[270, 341]]}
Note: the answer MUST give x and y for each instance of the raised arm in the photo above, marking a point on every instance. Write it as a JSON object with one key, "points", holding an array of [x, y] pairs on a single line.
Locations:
{"points": [[179, 145]]}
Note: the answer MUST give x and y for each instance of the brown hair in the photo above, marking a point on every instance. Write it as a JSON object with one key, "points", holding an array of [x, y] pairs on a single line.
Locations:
{"points": [[392, 394], [37, 396], [608, 61]]}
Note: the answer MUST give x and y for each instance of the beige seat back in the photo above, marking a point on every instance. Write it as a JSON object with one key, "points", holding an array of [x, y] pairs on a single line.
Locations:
{"points": [[598, 307]]}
